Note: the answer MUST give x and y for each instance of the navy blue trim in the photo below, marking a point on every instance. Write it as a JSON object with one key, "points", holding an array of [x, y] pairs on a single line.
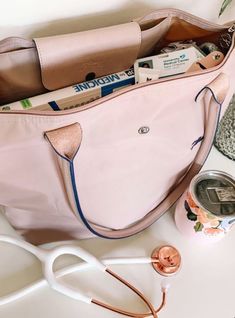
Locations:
{"points": [[196, 142], [72, 175], [84, 220], [213, 94], [54, 106]]}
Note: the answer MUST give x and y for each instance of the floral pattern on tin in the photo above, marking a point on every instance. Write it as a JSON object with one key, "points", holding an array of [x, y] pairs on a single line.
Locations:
{"points": [[207, 223]]}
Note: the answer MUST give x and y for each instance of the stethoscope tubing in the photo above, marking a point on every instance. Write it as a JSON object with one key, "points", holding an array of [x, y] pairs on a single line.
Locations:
{"points": [[48, 257], [62, 272]]}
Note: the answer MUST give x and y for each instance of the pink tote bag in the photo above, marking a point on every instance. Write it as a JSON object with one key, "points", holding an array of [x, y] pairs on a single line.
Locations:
{"points": [[113, 167]]}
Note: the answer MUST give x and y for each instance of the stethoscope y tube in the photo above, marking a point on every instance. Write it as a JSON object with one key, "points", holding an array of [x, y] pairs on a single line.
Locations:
{"points": [[48, 257]]}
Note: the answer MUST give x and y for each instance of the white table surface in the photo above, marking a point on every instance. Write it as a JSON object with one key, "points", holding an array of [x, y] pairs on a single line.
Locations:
{"points": [[205, 286]]}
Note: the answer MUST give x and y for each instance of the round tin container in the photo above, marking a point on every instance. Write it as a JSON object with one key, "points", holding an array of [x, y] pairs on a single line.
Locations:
{"points": [[207, 209]]}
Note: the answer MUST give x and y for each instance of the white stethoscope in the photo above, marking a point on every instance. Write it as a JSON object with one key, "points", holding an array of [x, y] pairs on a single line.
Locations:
{"points": [[165, 260]]}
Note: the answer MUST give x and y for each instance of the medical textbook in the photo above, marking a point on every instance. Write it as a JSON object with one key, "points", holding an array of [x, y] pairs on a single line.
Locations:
{"points": [[76, 95]]}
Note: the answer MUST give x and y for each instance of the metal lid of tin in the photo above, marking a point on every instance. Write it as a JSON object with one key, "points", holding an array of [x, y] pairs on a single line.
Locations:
{"points": [[214, 191]]}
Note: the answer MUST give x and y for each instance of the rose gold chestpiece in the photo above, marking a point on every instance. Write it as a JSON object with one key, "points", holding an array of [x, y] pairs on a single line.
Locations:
{"points": [[166, 260]]}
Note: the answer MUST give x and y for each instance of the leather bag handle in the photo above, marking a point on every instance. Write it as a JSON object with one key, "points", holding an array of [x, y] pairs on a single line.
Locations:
{"points": [[15, 43]]}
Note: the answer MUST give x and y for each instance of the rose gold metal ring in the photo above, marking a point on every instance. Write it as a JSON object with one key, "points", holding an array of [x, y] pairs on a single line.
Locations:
{"points": [[166, 260]]}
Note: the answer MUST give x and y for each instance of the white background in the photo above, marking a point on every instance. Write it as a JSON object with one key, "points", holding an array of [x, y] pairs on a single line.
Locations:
{"points": [[33, 18]]}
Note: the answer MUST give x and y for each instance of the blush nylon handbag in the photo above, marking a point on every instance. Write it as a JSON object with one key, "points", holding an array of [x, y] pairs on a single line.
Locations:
{"points": [[114, 166]]}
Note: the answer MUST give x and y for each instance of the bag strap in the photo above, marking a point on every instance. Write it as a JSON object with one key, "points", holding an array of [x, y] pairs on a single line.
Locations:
{"points": [[182, 15], [15, 43], [215, 93]]}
